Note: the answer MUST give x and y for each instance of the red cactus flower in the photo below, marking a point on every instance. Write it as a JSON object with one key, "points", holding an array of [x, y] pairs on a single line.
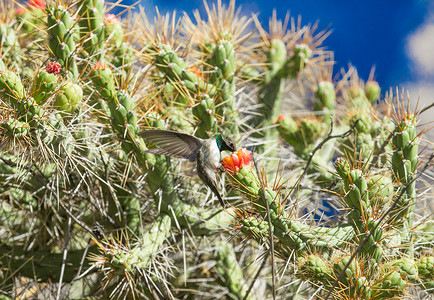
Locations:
{"points": [[237, 160], [99, 65], [280, 118], [110, 19], [37, 4], [54, 68], [20, 10]]}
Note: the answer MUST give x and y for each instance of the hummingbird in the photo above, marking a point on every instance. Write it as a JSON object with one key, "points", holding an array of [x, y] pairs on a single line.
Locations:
{"points": [[206, 152]]}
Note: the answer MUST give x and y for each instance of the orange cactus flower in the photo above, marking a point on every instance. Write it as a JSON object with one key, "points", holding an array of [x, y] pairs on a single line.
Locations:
{"points": [[196, 71], [100, 65], [237, 160]]}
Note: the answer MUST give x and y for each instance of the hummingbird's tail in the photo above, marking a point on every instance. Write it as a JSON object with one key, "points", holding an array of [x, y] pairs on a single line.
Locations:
{"points": [[216, 192], [209, 178]]}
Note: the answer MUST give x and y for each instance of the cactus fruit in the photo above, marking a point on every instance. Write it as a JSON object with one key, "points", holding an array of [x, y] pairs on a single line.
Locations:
{"points": [[372, 91], [68, 98], [46, 83]]}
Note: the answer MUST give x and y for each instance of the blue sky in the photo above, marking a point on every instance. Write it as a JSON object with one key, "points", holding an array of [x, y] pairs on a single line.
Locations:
{"points": [[365, 33], [397, 37]]}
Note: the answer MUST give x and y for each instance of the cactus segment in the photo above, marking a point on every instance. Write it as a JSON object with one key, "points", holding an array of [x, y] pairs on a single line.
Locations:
{"points": [[68, 98]]}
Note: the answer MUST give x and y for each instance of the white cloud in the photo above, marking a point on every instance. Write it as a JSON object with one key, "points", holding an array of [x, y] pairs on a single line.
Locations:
{"points": [[420, 49], [422, 95]]}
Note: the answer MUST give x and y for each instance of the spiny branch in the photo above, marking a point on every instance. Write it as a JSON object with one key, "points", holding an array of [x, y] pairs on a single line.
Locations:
{"points": [[363, 243]]}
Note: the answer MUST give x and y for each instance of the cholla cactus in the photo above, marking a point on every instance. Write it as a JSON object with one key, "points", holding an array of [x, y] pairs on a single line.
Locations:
{"points": [[87, 211]]}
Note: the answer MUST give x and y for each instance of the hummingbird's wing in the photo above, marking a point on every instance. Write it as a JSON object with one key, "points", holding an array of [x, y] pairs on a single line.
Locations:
{"points": [[173, 143]]}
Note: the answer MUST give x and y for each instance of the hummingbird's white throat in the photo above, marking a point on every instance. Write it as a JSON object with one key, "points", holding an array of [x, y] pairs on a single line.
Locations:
{"points": [[214, 155]]}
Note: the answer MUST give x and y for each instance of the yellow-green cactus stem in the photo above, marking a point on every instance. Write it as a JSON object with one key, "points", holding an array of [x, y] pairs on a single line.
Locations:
{"points": [[298, 61], [407, 268], [405, 157], [102, 77], [351, 271], [358, 99], [380, 190], [11, 88], [46, 83], [121, 105], [325, 97], [152, 240], [380, 133], [287, 129], [174, 67], [91, 13], [12, 92], [390, 286], [353, 284], [68, 98], [270, 95], [342, 167], [372, 91], [359, 146], [120, 260], [204, 111], [15, 128], [355, 186], [222, 64], [114, 33], [230, 271], [124, 121], [252, 226], [357, 192], [290, 233], [113, 30], [301, 135], [404, 164], [130, 205], [9, 44], [62, 38], [373, 247], [271, 90], [314, 269], [425, 268], [364, 122]]}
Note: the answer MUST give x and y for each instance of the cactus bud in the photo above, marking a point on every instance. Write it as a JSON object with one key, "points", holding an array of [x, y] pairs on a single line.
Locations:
{"points": [[372, 91], [68, 98]]}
